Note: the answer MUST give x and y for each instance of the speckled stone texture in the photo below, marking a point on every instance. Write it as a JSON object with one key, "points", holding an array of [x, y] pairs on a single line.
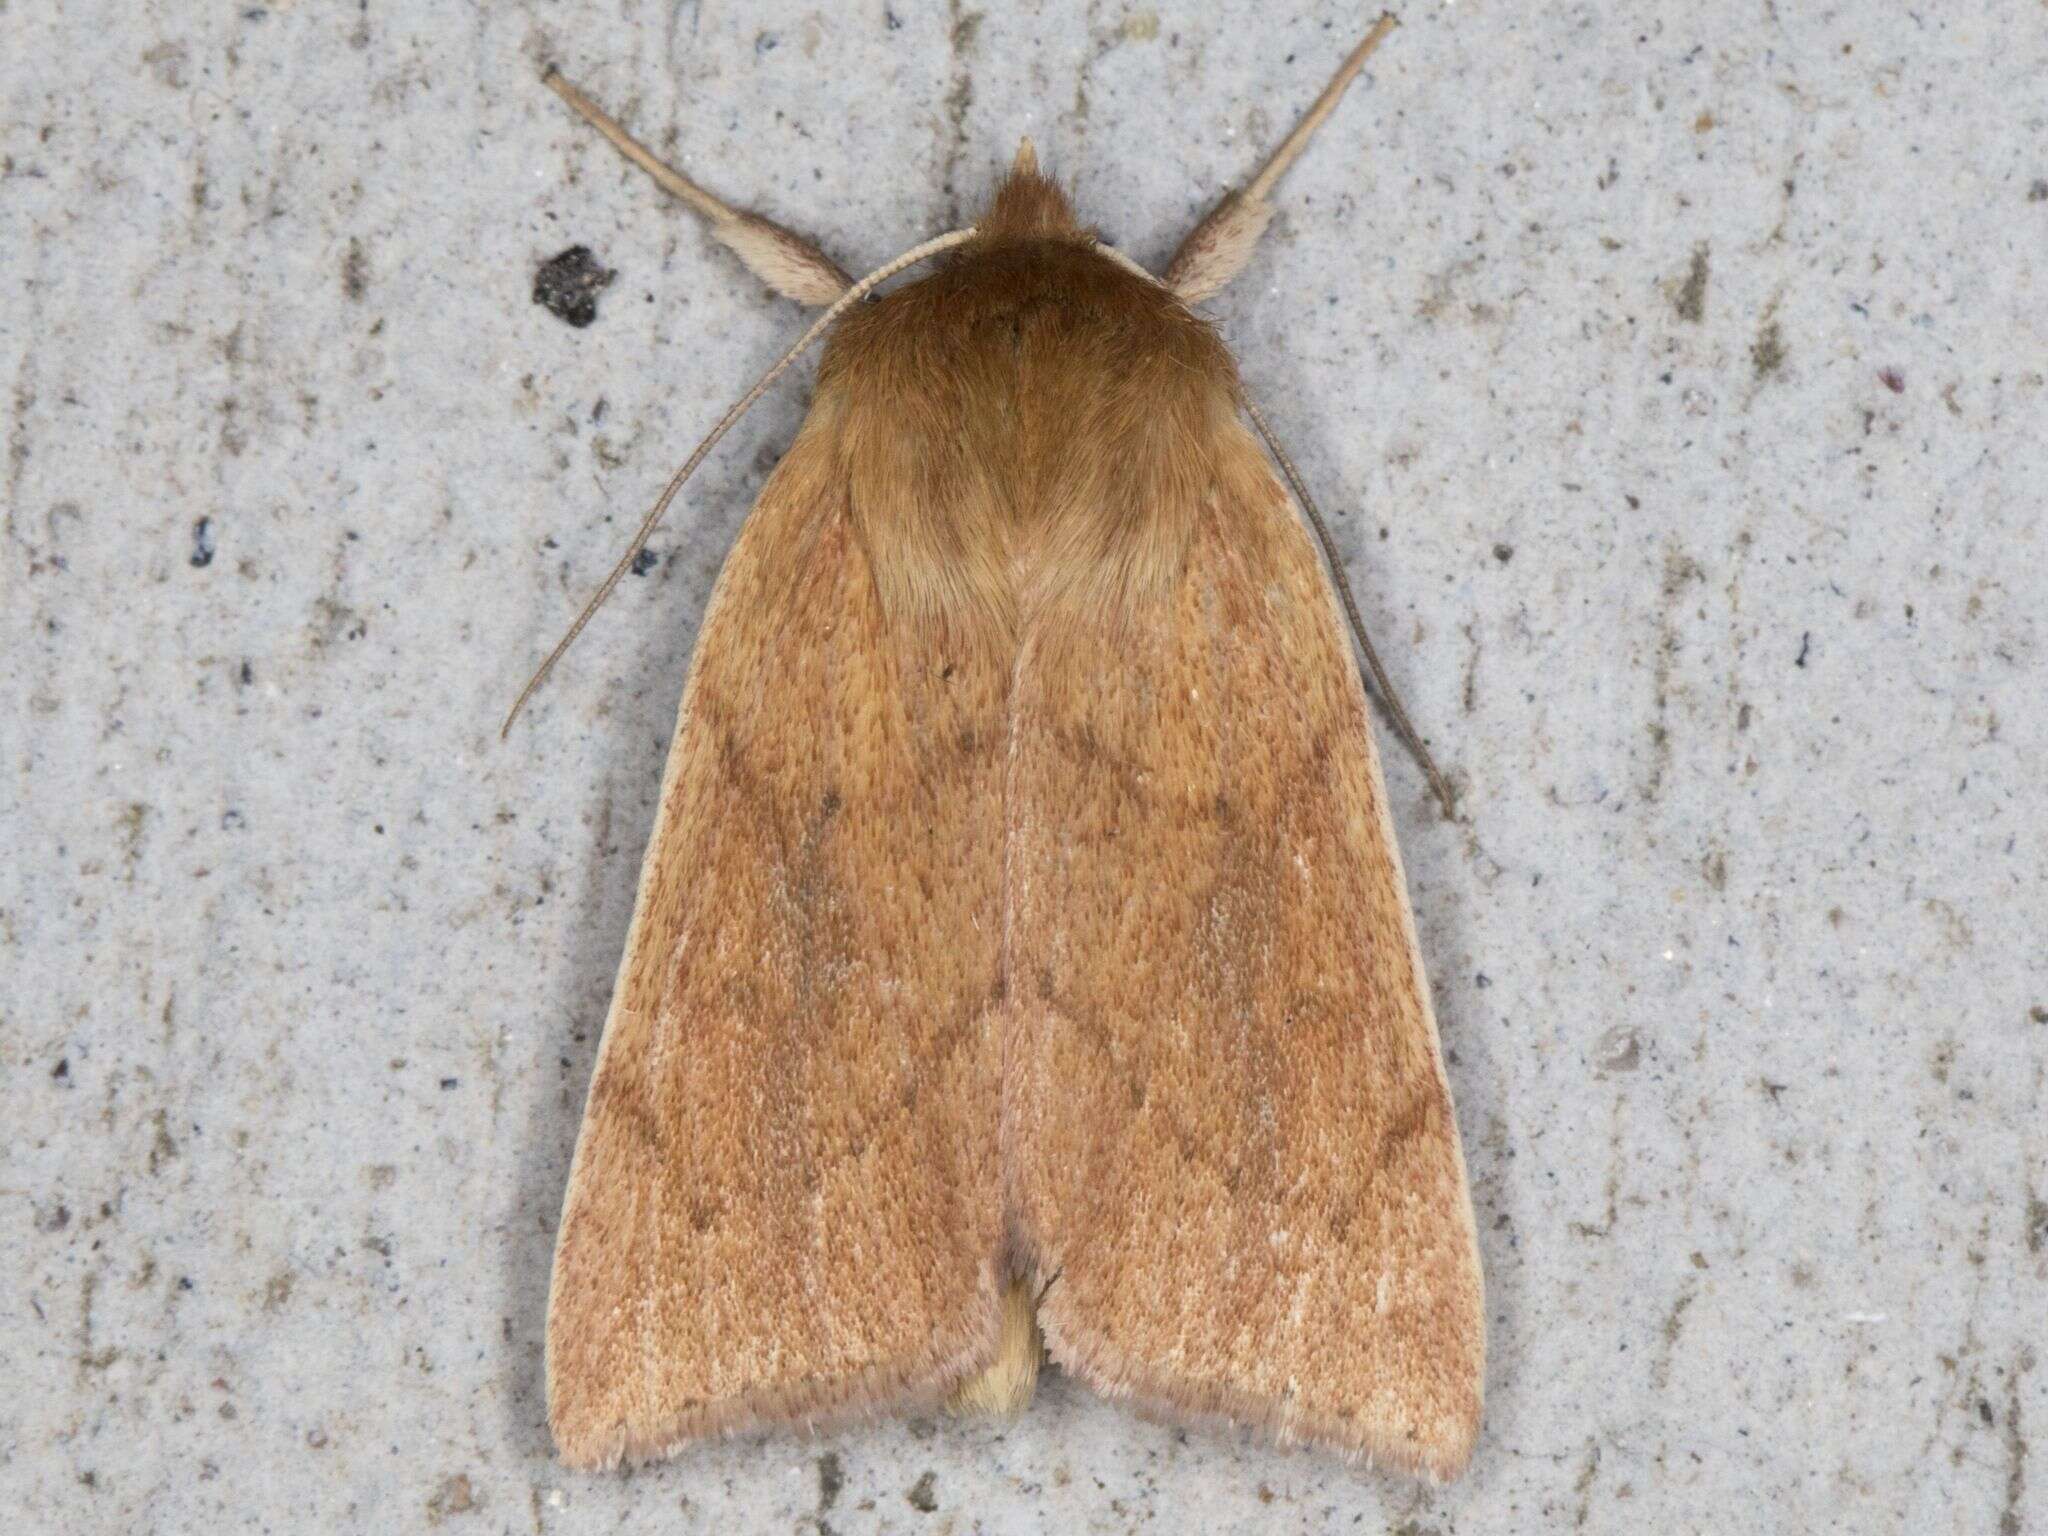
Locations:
{"points": [[1674, 375]]}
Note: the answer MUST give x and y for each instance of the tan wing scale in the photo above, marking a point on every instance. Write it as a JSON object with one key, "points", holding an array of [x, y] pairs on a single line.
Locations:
{"points": [[785, 1202], [1231, 1141]]}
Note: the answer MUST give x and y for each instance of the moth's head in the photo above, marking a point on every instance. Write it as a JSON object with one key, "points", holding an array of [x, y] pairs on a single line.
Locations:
{"points": [[1029, 205]]}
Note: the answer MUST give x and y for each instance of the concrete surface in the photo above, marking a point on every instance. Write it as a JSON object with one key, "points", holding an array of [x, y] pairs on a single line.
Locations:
{"points": [[1675, 375]]}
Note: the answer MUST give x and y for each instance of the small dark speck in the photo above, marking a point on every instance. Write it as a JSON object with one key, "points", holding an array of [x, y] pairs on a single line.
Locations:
{"points": [[567, 285], [1691, 301], [645, 561], [1503, 553], [1805, 646], [202, 543], [1481, 980], [1634, 502], [831, 1478], [449, 1082], [184, 1282], [2038, 1014], [891, 20], [355, 272], [1892, 380], [923, 1493], [1984, 1411], [2038, 192], [247, 675], [1767, 353], [766, 42], [62, 1070]]}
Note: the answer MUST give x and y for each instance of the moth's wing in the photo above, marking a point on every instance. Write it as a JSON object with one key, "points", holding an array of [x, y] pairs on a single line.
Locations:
{"points": [[1233, 1144], [785, 1202]]}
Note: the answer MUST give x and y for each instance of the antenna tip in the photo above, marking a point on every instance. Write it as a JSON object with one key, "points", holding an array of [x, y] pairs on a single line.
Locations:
{"points": [[1026, 163]]}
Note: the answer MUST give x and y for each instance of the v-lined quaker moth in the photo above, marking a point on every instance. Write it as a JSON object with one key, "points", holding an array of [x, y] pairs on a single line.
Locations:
{"points": [[1022, 948]]}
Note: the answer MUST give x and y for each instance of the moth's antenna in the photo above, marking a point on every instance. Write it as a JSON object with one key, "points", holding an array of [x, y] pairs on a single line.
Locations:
{"points": [[1291, 147], [1381, 682], [781, 258], [845, 301], [1129, 265], [1218, 247]]}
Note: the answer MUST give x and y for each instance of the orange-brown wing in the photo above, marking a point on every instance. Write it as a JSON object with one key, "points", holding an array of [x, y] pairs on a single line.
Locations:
{"points": [[1231, 1138], [785, 1202]]}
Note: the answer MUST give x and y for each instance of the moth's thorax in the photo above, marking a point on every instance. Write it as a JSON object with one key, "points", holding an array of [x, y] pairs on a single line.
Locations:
{"points": [[1030, 427]]}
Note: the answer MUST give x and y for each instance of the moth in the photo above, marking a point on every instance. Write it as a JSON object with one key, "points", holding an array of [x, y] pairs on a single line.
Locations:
{"points": [[1022, 963]]}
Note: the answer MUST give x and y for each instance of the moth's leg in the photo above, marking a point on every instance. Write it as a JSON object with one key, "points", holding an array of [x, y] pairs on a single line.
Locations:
{"points": [[1223, 242], [784, 260], [1004, 1389]]}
